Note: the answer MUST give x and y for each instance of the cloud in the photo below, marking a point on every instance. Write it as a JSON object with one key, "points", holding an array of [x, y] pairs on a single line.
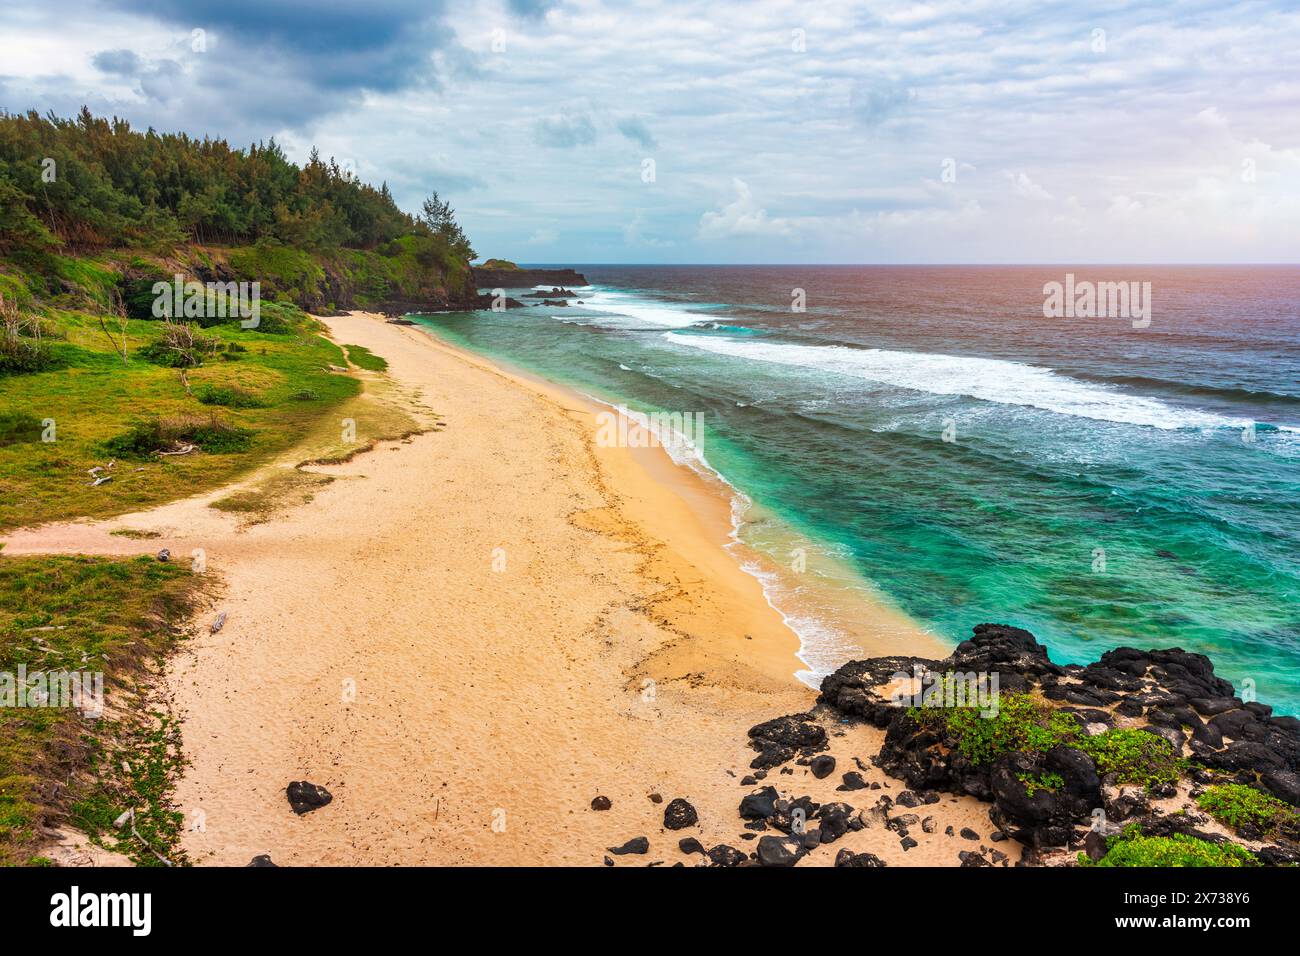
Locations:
{"points": [[161, 80], [378, 45], [634, 236], [1190, 118], [543, 237], [565, 131], [119, 62], [1025, 187], [742, 217], [634, 128], [872, 102], [531, 9]]}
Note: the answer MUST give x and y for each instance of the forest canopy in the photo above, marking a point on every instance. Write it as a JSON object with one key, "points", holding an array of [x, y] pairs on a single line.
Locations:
{"points": [[89, 182]]}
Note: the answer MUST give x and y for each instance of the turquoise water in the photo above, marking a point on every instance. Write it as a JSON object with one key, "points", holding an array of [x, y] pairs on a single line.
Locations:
{"points": [[1104, 485]]}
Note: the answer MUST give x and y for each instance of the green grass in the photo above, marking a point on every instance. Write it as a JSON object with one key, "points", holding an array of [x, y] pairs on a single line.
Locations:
{"points": [[362, 357], [1131, 848], [82, 614], [1236, 805], [97, 402], [228, 396]]}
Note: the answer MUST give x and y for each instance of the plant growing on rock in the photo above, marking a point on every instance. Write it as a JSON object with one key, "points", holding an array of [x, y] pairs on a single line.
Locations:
{"points": [[1134, 756], [1022, 724], [1131, 848], [1050, 782], [1239, 806]]}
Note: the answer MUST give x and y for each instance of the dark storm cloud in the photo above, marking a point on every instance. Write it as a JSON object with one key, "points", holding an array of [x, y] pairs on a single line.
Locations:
{"points": [[380, 45]]}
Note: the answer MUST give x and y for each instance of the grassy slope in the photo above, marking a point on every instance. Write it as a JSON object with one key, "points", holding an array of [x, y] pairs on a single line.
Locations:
{"points": [[56, 766]]}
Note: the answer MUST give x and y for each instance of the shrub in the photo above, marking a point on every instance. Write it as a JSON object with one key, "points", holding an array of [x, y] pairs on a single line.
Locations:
{"points": [[180, 346], [1050, 782], [1131, 848], [145, 439], [1237, 805], [1021, 724], [22, 343], [1134, 756]]}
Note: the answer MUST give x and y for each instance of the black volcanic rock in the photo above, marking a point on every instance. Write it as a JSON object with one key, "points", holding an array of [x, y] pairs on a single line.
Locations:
{"points": [[485, 301], [847, 857], [634, 845], [784, 738], [822, 766], [759, 805], [852, 781], [723, 855], [305, 797], [679, 814], [779, 851]]}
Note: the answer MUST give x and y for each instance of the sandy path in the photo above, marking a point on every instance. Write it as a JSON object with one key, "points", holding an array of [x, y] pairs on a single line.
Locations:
{"points": [[462, 710]]}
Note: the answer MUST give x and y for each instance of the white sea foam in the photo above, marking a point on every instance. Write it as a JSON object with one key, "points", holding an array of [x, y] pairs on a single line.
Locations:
{"points": [[821, 648], [990, 380], [625, 311]]}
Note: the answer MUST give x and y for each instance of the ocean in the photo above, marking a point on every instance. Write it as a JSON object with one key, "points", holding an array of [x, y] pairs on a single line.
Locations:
{"points": [[927, 435]]}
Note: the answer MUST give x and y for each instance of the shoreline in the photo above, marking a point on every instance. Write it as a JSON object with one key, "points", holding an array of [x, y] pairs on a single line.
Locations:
{"points": [[866, 622]]}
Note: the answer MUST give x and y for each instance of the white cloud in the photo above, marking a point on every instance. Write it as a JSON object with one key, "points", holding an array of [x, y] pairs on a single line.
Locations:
{"points": [[742, 217], [1025, 187]]}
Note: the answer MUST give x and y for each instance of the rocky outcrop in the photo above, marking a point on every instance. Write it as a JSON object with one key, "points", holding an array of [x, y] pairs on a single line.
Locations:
{"points": [[1048, 794], [487, 279], [1067, 757]]}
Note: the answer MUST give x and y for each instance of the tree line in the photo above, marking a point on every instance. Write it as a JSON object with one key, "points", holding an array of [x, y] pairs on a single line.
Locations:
{"points": [[89, 182]]}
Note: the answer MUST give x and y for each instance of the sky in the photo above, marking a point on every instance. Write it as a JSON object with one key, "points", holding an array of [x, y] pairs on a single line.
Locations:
{"points": [[577, 131]]}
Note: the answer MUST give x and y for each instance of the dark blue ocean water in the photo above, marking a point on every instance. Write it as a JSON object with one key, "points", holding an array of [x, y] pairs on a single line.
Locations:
{"points": [[1102, 485]]}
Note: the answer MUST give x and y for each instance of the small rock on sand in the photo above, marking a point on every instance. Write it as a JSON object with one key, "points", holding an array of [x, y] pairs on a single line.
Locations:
{"points": [[679, 814], [305, 797], [634, 845]]}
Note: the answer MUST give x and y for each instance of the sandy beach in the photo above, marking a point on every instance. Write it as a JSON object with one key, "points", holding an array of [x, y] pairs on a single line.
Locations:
{"points": [[472, 632]]}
